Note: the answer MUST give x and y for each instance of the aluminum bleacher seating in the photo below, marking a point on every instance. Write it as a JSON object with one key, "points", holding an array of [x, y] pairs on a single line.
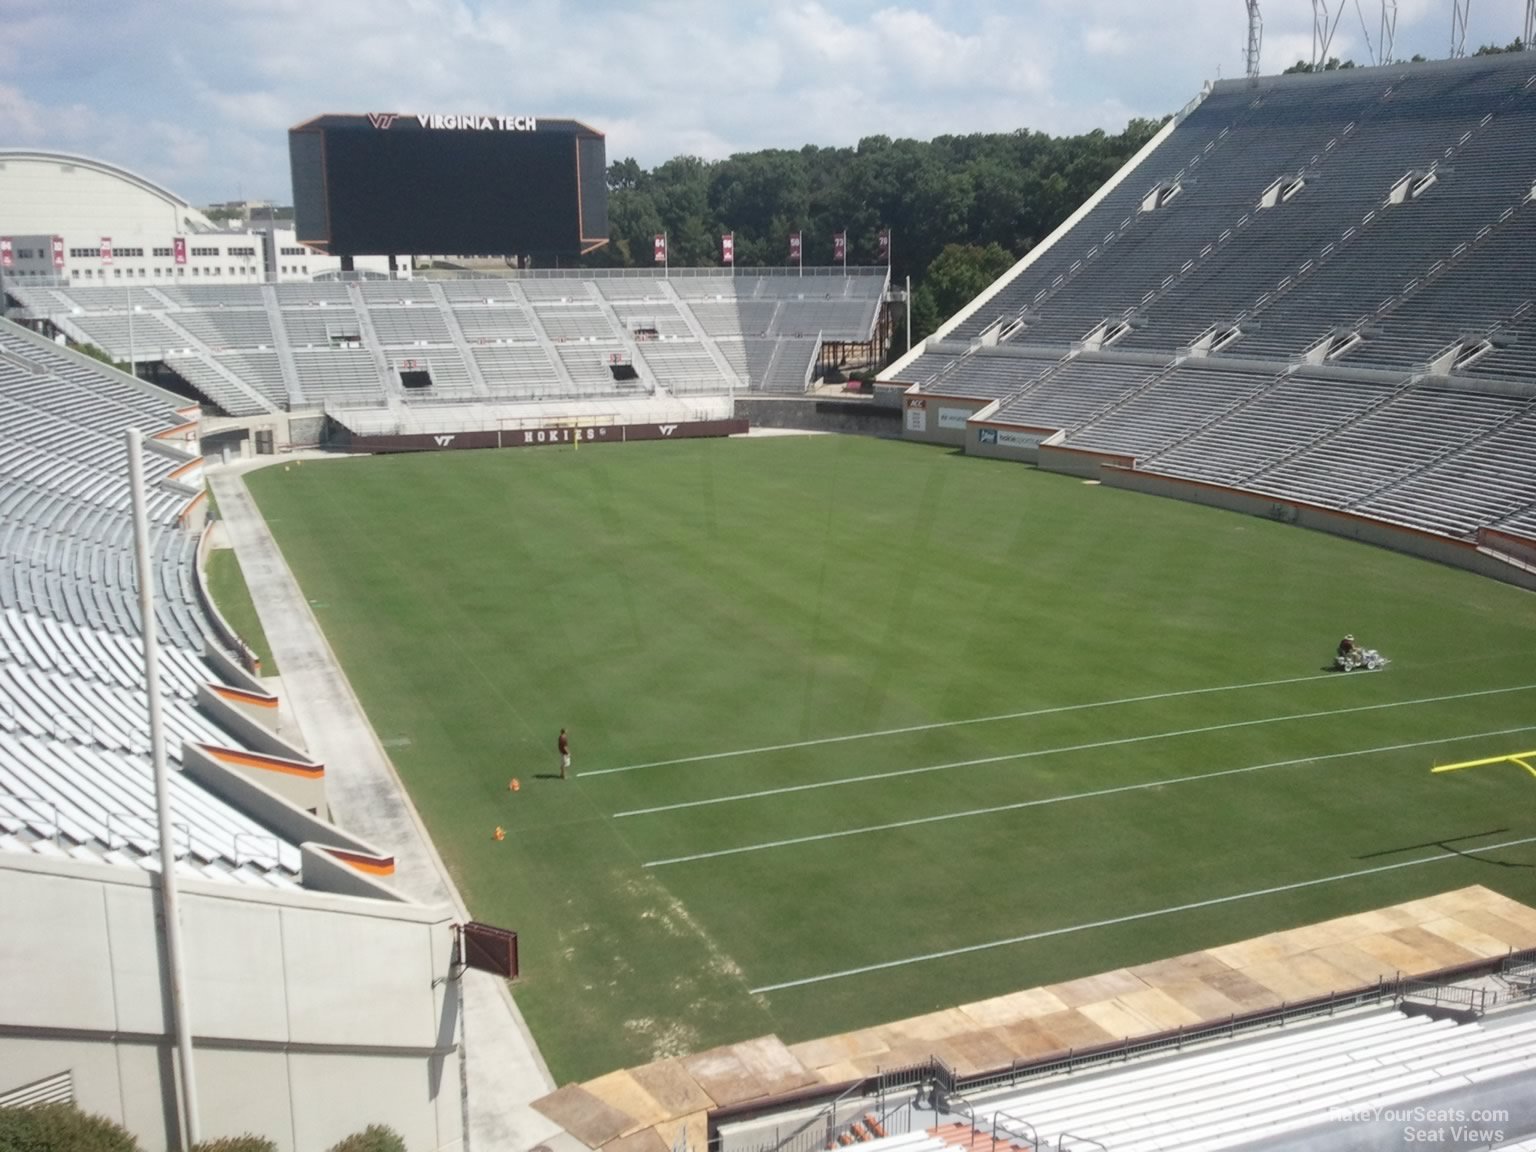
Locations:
{"points": [[1414, 430], [588, 366], [685, 367], [627, 288], [268, 338], [481, 322], [723, 318], [1287, 1082], [1067, 396], [575, 322], [222, 328], [339, 375], [656, 317], [1317, 288], [319, 327], [1277, 423], [987, 376], [409, 325], [790, 368], [517, 369], [1172, 406], [1486, 480], [448, 372], [75, 779], [198, 370]]}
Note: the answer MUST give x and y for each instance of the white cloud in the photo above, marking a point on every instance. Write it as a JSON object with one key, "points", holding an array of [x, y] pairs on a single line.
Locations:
{"points": [[1105, 40]]}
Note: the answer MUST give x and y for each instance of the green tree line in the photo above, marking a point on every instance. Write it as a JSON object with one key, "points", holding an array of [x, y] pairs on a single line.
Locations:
{"points": [[960, 209]]}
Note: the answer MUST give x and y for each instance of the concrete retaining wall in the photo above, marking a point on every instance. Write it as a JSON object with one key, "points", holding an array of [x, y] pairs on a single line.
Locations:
{"points": [[313, 1016], [939, 419], [871, 417]]}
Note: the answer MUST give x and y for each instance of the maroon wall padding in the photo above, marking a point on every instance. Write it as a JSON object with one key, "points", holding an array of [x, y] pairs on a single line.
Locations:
{"points": [[490, 949], [533, 437]]}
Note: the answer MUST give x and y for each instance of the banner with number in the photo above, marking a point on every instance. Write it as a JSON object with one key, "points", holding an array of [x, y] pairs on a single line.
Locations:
{"points": [[5, 252], [58, 251], [660, 250], [179, 248], [885, 244], [728, 248], [794, 247], [106, 249], [840, 248]]}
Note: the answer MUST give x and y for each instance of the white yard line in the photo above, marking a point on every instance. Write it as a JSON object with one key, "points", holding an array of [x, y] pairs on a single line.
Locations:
{"points": [[1116, 743], [960, 723], [969, 812], [1134, 916]]}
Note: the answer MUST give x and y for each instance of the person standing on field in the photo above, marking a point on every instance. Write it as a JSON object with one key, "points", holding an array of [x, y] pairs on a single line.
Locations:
{"points": [[565, 753]]}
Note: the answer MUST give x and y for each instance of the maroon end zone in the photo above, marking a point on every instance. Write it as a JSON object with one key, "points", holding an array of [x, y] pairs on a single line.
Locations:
{"points": [[533, 437]]}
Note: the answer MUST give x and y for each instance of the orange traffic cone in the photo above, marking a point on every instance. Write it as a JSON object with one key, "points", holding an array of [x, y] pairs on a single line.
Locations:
{"points": [[501, 833], [514, 785]]}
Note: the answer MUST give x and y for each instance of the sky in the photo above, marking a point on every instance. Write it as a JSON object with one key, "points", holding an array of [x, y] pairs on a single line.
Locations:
{"points": [[198, 95]]}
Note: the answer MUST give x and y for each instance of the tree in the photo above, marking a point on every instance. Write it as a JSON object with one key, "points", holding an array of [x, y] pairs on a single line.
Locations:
{"points": [[995, 193], [1332, 65], [956, 276], [1515, 45]]}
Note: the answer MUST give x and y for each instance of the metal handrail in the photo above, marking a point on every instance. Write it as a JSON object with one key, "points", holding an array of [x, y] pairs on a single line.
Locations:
{"points": [[39, 802], [1474, 998], [1010, 1125]]}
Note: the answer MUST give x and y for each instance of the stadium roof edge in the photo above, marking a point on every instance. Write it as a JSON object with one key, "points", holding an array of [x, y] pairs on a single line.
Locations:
{"points": [[1511, 60], [103, 166], [1045, 245]]}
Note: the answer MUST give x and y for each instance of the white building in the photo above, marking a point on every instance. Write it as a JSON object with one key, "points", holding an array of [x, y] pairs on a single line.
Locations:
{"points": [[86, 222]]}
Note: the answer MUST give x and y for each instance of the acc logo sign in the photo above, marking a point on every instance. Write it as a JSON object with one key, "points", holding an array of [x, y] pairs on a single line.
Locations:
{"points": [[444, 441], [383, 119], [667, 429], [986, 435]]}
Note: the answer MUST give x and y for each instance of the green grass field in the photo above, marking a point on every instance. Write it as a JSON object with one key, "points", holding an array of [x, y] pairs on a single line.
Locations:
{"points": [[1114, 706], [226, 584]]}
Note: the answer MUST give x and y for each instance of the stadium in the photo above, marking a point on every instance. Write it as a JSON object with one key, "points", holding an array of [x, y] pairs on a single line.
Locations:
{"points": [[975, 763]]}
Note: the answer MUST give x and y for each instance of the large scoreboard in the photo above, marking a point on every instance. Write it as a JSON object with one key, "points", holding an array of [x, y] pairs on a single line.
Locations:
{"points": [[470, 185]]}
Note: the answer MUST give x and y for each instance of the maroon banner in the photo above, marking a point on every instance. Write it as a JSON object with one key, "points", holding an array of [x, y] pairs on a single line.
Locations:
{"points": [[794, 247], [659, 254], [58, 251], [179, 247], [106, 249], [885, 244], [533, 437], [840, 248], [728, 248], [6, 256]]}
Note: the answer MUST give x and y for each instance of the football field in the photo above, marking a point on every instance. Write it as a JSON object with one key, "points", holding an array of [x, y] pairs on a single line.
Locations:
{"points": [[862, 729]]}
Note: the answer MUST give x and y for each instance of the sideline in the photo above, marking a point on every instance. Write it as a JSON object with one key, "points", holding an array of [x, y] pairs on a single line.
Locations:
{"points": [[960, 723], [1116, 743], [1163, 783], [1135, 916]]}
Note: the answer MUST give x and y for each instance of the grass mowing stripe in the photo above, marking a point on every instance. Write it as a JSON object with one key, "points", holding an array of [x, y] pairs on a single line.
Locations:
{"points": [[1447, 854], [1123, 740], [793, 840], [959, 723]]}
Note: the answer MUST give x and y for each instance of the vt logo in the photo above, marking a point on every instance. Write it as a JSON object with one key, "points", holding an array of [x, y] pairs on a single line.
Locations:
{"points": [[667, 429], [444, 441], [383, 119]]}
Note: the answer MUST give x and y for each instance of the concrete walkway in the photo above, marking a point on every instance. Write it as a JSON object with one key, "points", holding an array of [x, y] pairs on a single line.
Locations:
{"points": [[503, 1071]]}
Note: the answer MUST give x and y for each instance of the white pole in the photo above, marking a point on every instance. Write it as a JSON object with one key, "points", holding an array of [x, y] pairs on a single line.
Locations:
{"points": [[133, 364], [175, 968]]}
